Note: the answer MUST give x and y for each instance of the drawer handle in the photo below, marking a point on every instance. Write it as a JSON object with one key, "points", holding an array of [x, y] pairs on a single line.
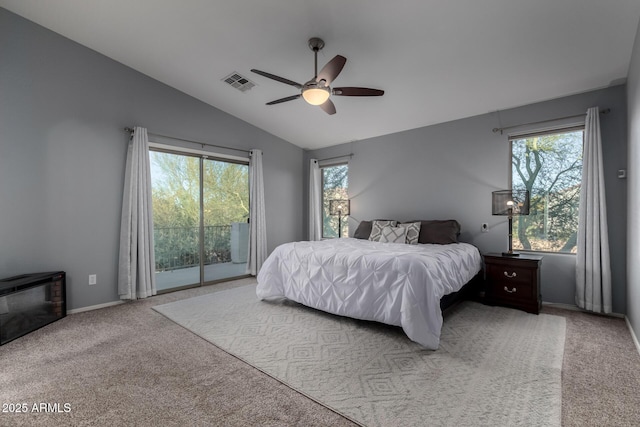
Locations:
{"points": [[510, 276], [510, 291]]}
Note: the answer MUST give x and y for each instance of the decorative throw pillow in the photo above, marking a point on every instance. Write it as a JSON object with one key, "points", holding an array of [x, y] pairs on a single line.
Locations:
{"points": [[393, 235], [413, 232], [441, 232], [378, 225]]}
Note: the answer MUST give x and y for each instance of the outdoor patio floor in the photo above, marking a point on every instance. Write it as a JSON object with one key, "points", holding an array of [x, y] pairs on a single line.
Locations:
{"points": [[191, 276]]}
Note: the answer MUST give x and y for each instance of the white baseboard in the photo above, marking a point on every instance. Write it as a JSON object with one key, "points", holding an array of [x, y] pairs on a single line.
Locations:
{"points": [[576, 308], [561, 305], [94, 307], [633, 334]]}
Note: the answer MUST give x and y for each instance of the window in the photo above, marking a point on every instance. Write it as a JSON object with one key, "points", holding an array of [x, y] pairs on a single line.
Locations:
{"points": [[549, 165], [334, 187]]}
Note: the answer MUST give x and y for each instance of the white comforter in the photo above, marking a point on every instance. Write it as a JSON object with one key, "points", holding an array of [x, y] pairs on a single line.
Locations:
{"points": [[392, 283]]}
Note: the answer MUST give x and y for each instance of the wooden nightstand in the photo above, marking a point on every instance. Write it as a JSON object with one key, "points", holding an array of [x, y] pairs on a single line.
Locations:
{"points": [[513, 281]]}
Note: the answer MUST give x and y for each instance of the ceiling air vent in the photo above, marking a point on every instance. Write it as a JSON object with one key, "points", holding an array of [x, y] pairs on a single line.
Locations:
{"points": [[243, 84]]}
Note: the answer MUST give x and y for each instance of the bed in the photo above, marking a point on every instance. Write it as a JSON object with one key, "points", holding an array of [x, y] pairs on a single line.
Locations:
{"points": [[373, 278]]}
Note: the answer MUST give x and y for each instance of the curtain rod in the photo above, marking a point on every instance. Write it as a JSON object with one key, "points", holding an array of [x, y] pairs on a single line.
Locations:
{"points": [[336, 157], [605, 111], [130, 130]]}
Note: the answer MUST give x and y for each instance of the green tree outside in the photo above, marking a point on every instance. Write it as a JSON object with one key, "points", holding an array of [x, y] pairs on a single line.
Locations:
{"points": [[176, 207], [335, 183]]}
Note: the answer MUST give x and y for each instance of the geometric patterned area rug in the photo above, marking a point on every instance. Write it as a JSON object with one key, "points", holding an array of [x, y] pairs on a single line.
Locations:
{"points": [[495, 366]]}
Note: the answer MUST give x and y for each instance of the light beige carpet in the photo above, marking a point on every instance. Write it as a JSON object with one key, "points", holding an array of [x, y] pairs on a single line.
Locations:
{"points": [[495, 366]]}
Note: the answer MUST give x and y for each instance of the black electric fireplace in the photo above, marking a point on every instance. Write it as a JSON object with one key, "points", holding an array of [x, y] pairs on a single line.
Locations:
{"points": [[29, 302]]}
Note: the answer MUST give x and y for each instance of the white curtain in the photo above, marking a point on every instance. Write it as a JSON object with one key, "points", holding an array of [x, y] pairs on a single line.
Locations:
{"points": [[315, 200], [136, 275], [593, 270], [257, 221]]}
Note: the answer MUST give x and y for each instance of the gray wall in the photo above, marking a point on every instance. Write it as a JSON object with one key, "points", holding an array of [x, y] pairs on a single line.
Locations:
{"points": [[633, 244], [449, 171], [63, 108]]}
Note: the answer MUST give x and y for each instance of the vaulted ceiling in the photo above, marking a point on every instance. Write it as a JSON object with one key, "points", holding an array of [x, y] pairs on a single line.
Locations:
{"points": [[437, 61]]}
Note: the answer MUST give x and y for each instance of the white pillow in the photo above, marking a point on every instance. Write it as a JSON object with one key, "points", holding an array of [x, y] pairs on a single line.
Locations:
{"points": [[393, 235], [377, 227], [413, 232]]}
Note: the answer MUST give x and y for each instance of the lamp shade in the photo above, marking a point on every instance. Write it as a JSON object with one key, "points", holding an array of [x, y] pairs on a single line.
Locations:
{"points": [[339, 207], [510, 202]]}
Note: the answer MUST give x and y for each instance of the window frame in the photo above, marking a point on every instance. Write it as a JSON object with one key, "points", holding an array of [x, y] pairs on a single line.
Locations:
{"points": [[323, 166], [202, 156], [561, 129]]}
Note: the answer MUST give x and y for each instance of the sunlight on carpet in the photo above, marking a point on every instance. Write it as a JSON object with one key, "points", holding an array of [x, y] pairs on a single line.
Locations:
{"points": [[495, 366]]}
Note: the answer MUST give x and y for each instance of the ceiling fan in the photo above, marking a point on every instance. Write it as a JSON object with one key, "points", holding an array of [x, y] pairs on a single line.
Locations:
{"points": [[317, 90]]}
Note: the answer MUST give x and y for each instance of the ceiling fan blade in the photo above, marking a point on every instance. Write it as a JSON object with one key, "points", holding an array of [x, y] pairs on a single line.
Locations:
{"points": [[328, 107], [330, 71], [277, 78], [281, 100], [357, 91]]}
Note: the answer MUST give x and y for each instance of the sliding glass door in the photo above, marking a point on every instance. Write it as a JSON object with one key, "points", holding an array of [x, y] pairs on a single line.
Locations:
{"points": [[175, 185], [225, 215], [200, 211]]}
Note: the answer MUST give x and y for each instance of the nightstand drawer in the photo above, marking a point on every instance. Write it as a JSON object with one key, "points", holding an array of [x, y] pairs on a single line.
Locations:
{"points": [[509, 275], [512, 291]]}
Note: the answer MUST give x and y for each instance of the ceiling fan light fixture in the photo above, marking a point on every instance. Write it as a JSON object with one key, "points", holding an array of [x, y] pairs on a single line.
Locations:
{"points": [[316, 95]]}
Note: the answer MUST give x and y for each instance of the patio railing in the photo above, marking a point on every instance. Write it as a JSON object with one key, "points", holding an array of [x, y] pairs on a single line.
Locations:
{"points": [[177, 247]]}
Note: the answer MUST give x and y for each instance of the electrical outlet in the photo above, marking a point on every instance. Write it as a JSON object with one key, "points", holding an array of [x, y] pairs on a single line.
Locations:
{"points": [[92, 279], [484, 227]]}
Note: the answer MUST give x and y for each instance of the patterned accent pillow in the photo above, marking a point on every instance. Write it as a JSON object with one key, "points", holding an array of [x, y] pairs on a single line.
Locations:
{"points": [[393, 235], [378, 225], [413, 232]]}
